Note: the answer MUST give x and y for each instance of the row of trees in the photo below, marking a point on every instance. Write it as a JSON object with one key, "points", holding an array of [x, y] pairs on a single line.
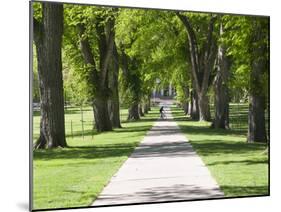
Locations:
{"points": [[107, 55]]}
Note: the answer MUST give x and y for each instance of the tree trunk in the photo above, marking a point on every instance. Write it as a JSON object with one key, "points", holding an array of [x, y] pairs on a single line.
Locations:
{"points": [[189, 107], [114, 112], [185, 108], [102, 120], [190, 102], [186, 96], [99, 79], [204, 107], [113, 103], [221, 119], [194, 111], [149, 104], [48, 39], [145, 108], [133, 112], [132, 84], [140, 110], [256, 117]]}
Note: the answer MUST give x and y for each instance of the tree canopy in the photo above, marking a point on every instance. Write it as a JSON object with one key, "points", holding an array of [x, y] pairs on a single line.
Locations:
{"points": [[115, 55]]}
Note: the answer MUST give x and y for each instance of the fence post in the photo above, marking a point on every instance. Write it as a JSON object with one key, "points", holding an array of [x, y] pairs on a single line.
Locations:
{"points": [[238, 115], [71, 129], [82, 121], [93, 128], [65, 104]]}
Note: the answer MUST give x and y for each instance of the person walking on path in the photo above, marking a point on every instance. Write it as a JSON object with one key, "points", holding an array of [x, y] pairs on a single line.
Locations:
{"points": [[162, 113]]}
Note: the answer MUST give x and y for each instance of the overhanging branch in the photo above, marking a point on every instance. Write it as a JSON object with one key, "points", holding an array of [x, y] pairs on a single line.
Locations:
{"points": [[209, 56], [87, 52], [108, 50], [192, 47]]}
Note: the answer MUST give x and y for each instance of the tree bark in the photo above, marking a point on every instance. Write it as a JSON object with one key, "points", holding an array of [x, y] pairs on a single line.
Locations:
{"points": [[221, 119], [114, 113], [186, 96], [100, 108], [145, 108], [48, 40], [256, 119], [140, 110], [149, 104], [133, 112], [189, 106], [257, 101], [194, 111], [204, 107], [185, 108], [132, 83], [190, 102], [146, 105], [113, 103]]}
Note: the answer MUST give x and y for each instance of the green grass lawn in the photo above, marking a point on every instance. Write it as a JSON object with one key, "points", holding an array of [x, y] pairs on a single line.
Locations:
{"points": [[74, 176], [73, 119], [241, 169]]}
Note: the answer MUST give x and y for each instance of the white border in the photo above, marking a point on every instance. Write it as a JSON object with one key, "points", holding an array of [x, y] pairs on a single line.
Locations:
{"points": [[229, 6], [14, 103]]}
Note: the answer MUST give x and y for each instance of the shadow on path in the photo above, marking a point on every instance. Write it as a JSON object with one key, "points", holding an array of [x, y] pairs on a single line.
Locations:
{"points": [[165, 193], [164, 149]]}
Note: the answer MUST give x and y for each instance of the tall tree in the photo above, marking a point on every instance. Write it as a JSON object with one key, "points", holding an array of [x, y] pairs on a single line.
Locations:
{"points": [[259, 69], [249, 52], [48, 40], [221, 119], [202, 59], [127, 25], [181, 80], [98, 74], [131, 85], [91, 53], [113, 103], [194, 108]]}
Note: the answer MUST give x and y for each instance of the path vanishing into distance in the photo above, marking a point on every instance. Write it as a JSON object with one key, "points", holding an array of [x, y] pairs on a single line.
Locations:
{"points": [[164, 167]]}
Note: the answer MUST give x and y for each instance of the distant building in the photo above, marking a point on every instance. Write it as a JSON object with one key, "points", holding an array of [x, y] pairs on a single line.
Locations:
{"points": [[164, 92]]}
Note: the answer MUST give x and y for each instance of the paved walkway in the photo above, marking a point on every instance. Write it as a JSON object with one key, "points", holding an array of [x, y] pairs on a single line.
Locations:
{"points": [[164, 167]]}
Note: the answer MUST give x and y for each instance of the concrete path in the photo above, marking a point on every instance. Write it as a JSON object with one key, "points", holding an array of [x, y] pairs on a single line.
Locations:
{"points": [[164, 167]]}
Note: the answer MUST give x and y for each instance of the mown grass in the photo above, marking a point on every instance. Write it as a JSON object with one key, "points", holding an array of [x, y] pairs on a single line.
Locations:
{"points": [[74, 118], [74, 176], [240, 168]]}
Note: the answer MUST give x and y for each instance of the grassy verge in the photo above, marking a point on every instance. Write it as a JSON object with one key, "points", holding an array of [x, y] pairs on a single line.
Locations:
{"points": [[241, 169], [74, 176], [74, 118]]}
